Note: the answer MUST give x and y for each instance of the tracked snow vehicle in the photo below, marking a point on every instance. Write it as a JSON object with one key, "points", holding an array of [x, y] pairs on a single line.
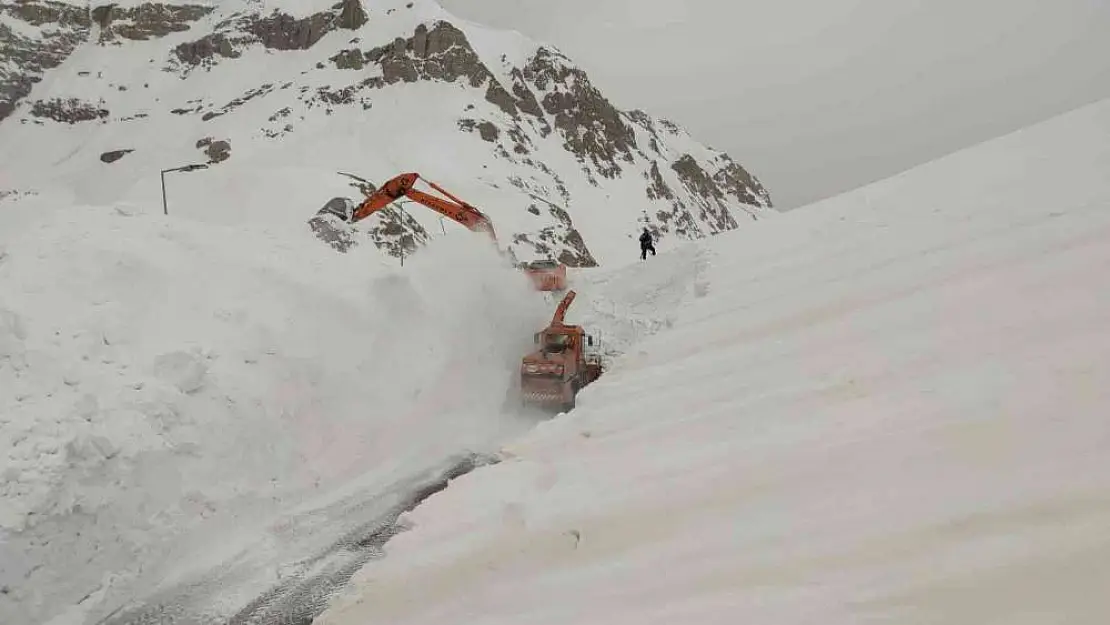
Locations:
{"points": [[561, 364]]}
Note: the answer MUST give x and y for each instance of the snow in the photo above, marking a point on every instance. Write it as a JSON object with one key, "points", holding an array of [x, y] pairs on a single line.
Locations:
{"points": [[885, 407], [164, 382]]}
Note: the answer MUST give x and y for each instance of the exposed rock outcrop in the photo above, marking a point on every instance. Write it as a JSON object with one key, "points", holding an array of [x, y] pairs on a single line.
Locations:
{"points": [[657, 187], [276, 31], [150, 20], [114, 155], [591, 126], [23, 59], [393, 230], [68, 111], [736, 180], [441, 53], [218, 151]]}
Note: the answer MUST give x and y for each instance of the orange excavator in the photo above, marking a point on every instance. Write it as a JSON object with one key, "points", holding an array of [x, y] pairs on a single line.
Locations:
{"points": [[402, 186], [559, 367], [545, 275]]}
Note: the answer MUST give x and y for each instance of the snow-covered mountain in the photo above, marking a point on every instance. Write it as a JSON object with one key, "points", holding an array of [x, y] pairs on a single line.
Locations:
{"points": [[292, 103]]}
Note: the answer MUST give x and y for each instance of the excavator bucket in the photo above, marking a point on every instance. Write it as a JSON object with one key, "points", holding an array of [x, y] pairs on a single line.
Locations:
{"points": [[328, 224]]}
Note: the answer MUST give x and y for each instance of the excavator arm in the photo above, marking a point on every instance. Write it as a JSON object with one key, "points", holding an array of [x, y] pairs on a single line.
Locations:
{"points": [[465, 214], [402, 186], [545, 276]]}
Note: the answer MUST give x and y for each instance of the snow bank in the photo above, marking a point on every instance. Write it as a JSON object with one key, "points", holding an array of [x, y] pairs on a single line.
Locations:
{"points": [[157, 375], [888, 407]]}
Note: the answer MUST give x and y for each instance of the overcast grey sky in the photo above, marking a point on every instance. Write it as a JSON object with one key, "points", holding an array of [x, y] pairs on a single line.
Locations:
{"points": [[816, 97]]}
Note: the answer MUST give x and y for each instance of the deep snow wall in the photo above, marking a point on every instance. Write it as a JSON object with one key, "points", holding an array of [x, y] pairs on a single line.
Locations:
{"points": [[159, 377]]}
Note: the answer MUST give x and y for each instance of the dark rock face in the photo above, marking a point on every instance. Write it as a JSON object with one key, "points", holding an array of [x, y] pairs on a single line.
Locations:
{"points": [[734, 179], [560, 240], [396, 233], [282, 32], [392, 229], [47, 13], [711, 194], [146, 21], [701, 185], [330, 229], [24, 60], [348, 59], [276, 31], [442, 53], [694, 177], [68, 111], [240, 101], [711, 190], [114, 155], [351, 15], [657, 187], [218, 151], [204, 50], [591, 126]]}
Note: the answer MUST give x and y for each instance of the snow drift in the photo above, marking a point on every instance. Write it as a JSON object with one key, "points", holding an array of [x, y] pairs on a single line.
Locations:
{"points": [[159, 377], [887, 407]]}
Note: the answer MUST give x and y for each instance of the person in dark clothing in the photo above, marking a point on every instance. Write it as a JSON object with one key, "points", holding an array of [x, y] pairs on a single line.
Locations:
{"points": [[647, 244]]}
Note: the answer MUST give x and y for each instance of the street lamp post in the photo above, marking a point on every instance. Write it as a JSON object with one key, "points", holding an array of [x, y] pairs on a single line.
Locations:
{"points": [[193, 167]]}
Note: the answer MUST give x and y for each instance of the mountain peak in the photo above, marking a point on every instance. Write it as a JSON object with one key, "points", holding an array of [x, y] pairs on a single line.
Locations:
{"points": [[345, 88]]}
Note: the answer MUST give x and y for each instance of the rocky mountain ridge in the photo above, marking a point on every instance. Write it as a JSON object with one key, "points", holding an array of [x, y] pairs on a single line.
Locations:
{"points": [[567, 166]]}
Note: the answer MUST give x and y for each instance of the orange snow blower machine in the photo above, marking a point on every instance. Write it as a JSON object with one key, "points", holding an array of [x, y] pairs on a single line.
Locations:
{"points": [[559, 367], [546, 275]]}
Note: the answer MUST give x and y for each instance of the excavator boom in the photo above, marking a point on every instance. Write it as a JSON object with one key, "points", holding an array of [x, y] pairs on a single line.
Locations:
{"points": [[402, 186], [545, 275], [463, 213], [393, 189]]}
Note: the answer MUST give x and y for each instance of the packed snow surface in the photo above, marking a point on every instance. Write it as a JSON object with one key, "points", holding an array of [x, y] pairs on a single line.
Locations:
{"points": [[888, 407]]}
